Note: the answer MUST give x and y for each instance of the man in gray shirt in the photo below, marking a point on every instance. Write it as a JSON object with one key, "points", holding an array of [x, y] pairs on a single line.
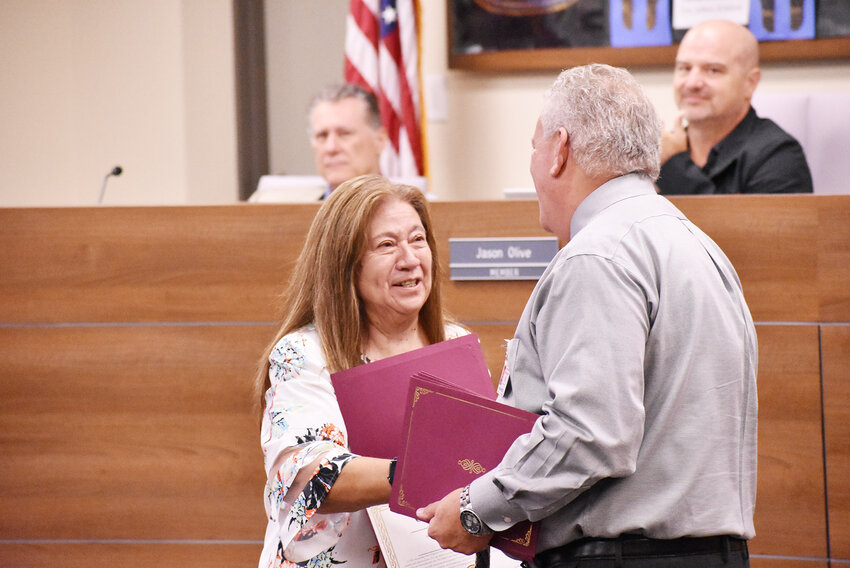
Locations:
{"points": [[638, 351]]}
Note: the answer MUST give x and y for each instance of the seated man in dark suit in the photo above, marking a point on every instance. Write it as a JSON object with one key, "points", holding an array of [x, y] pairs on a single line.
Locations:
{"points": [[718, 144]]}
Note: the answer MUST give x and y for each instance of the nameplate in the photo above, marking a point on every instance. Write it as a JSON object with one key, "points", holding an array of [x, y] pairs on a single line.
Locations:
{"points": [[519, 258]]}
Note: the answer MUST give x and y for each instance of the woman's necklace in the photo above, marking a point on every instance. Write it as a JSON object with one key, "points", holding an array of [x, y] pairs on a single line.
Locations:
{"points": [[365, 358]]}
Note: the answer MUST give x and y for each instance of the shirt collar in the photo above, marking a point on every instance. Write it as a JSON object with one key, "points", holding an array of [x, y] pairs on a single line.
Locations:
{"points": [[607, 194], [729, 148]]}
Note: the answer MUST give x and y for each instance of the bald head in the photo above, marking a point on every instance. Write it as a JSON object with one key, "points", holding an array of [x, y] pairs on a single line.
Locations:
{"points": [[740, 42], [716, 74]]}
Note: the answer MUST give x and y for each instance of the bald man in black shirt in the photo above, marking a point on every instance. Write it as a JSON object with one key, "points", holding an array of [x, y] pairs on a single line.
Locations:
{"points": [[718, 144]]}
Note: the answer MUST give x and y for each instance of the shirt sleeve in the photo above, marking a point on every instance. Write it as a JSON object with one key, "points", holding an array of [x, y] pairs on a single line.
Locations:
{"points": [[304, 446], [586, 335], [681, 176]]}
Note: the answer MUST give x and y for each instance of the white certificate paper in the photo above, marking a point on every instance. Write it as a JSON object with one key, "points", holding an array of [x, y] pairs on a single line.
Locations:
{"points": [[688, 13], [405, 543]]}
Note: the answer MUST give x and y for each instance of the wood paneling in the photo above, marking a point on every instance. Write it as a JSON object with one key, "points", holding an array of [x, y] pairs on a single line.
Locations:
{"points": [[487, 301], [130, 432], [110, 555], [477, 301], [773, 246], [790, 516], [252, 124], [557, 58], [228, 263], [492, 339], [129, 337], [836, 395], [486, 219], [834, 261], [173, 264], [762, 562]]}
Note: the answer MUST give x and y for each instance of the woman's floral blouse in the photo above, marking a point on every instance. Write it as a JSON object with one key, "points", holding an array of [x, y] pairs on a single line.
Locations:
{"points": [[305, 447]]}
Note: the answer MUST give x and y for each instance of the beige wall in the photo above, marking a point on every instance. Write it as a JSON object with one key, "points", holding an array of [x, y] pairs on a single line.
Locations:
{"points": [[89, 84], [149, 85]]}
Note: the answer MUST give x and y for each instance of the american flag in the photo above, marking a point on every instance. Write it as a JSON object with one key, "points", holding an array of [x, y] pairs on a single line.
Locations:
{"points": [[382, 55]]}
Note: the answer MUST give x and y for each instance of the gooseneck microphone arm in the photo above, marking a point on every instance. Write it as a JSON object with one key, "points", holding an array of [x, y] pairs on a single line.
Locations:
{"points": [[116, 171]]}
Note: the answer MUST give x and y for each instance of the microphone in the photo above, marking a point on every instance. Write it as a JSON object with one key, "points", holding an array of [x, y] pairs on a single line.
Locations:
{"points": [[116, 171]]}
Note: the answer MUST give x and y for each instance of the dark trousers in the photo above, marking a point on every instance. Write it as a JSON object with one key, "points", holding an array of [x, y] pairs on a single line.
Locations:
{"points": [[630, 552]]}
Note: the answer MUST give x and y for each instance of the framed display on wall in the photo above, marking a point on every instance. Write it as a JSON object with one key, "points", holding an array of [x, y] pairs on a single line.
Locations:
{"points": [[506, 35]]}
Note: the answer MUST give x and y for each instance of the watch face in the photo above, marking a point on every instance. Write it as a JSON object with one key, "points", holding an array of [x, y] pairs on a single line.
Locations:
{"points": [[470, 522]]}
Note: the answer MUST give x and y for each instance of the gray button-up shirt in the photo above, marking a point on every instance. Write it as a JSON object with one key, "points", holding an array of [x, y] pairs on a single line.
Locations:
{"points": [[638, 350]]}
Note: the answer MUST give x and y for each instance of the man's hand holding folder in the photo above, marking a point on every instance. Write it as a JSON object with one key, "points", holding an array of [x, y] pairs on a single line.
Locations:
{"points": [[434, 408], [451, 437]]}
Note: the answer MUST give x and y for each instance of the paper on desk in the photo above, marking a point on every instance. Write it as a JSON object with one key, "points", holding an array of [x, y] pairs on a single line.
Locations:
{"points": [[405, 543]]}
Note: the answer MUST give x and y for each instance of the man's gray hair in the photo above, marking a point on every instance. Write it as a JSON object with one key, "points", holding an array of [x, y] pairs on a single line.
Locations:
{"points": [[336, 93], [612, 126]]}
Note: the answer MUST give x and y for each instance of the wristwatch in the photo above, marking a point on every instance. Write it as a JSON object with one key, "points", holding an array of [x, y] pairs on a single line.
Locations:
{"points": [[391, 472], [470, 521]]}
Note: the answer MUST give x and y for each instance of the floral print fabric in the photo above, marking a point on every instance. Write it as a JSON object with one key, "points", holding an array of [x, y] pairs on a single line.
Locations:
{"points": [[304, 444]]}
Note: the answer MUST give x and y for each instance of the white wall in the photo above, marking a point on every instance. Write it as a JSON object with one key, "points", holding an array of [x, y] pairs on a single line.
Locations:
{"points": [[89, 84]]}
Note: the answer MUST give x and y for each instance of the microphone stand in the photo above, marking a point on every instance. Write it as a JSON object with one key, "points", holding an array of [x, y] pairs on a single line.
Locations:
{"points": [[116, 171]]}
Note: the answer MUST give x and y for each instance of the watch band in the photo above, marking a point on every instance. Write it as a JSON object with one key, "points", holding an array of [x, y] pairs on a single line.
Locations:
{"points": [[391, 473], [470, 521], [464, 497]]}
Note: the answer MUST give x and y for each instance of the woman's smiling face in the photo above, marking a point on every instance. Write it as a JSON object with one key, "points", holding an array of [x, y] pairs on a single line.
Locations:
{"points": [[394, 279]]}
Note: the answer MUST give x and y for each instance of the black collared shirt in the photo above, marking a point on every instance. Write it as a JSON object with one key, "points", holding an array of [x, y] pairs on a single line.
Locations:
{"points": [[756, 157]]}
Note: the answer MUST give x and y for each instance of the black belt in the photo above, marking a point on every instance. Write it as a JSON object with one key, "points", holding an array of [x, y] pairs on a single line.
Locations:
{"points": [[640, 546]]}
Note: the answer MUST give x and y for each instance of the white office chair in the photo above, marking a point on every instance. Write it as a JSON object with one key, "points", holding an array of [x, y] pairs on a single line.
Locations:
{"points": [[821, 123]]}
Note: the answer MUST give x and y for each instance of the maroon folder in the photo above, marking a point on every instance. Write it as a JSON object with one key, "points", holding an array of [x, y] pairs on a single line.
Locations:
{"points": [[373, 397], [451, 437]]}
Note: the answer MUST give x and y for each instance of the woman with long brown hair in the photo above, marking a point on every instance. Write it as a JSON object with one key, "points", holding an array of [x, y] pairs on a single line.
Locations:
{"points": [[366, 286]]}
